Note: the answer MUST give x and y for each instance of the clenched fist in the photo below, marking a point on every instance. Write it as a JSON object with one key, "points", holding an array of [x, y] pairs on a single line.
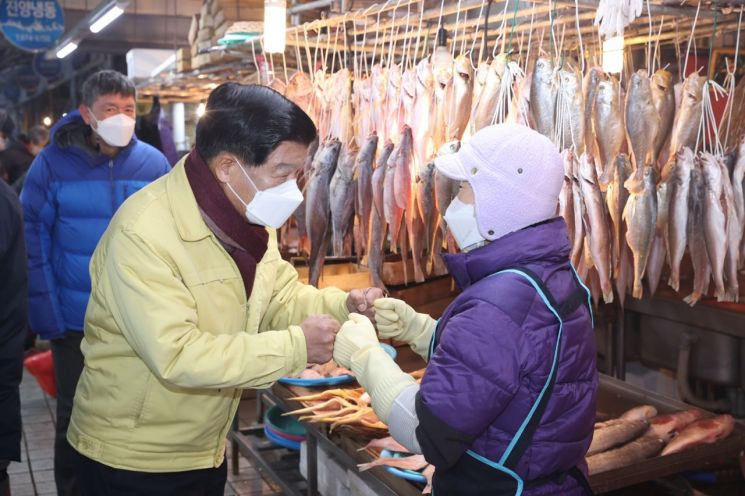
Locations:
{"points": [[320, 333], [362, 301]]}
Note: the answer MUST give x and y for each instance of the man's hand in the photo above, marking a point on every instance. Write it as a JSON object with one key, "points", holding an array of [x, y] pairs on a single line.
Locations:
{"points": [[362, 300], [320, 333]]}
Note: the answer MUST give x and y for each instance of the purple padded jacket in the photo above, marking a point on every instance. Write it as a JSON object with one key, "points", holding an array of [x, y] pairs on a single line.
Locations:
{"points": [[495, 345]]}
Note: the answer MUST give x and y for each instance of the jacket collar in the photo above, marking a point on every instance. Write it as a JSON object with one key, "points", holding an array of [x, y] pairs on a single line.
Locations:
{"points": [[547, 241], [72, 134], [188, 218]]}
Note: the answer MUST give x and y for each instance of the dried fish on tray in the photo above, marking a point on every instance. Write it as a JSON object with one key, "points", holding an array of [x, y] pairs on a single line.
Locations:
{"points": [[640, 434], [680, 439], [341, 408]]}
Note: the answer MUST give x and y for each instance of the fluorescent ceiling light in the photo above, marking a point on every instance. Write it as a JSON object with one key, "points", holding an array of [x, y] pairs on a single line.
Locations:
{"points": [[107, 18], [66, 49]]}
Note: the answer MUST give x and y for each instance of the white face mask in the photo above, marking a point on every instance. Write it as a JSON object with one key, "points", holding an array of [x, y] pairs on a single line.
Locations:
{"points": [[116, 130], [271, 207], [461, 220]]}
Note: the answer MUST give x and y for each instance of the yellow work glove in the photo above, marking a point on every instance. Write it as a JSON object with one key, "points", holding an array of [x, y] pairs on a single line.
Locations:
{"points": [[356, 334], [357, 348], [397, 320]]}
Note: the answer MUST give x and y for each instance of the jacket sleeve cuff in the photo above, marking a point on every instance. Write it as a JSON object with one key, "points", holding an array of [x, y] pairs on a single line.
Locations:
{"points": [[297, 357], [340, 306], [381, 377]]}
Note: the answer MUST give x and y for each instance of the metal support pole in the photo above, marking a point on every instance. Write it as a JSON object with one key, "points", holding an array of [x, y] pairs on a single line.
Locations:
{"points": [[620, 365]]}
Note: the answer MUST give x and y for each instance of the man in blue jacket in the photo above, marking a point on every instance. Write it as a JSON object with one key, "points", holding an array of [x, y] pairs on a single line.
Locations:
{"points": [[73, 189]]}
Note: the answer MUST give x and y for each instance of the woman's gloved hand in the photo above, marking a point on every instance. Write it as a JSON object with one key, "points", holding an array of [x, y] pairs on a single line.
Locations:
{"points": [[397, 320], [356, 334], [357, 348]]}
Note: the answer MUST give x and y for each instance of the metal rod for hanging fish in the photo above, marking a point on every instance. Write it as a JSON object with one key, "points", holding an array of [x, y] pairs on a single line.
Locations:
{"points": [[346, 41], [650, 63], [657, 45], [419, 32], [475, 34], [393, 43], [502, 26], [457, 19], [364, 37], [284, 65], [579, 35], [256, 62], [356, 66], [335, 54], [551, 16], [731, 99], [463, 42], [407, 40], [486, 31], [298, 59], [377, 35], [512, 29], [530, 39], [691, 38]]}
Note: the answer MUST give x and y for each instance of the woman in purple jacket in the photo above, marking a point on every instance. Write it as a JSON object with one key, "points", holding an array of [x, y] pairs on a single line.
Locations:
{"points": [[507, 403]]}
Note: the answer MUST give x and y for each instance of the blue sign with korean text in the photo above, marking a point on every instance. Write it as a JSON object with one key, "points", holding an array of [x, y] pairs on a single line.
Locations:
{"points": [[32, 25]]}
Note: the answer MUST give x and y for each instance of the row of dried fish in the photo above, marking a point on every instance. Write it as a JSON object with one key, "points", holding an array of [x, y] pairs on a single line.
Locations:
{"points": [[634, 227], [641, 434], [372, 180]]}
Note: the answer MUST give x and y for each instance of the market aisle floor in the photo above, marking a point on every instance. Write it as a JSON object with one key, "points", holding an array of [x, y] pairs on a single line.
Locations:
{"points": [[34, 475]]}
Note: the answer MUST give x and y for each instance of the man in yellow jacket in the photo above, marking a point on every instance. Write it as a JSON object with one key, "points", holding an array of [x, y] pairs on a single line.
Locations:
{"points": [[191, 303]]}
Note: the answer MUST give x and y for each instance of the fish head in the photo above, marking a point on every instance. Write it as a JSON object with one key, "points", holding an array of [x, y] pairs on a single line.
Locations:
{"points": [[570, 81], [394, 74], [650, 177], [463, 68], [623, 165], [449, 148], [424, 76], [300, 84], [499, 64], [442, 66], [587, 168], [543, 71], [685, 154], [333, 145], [408, 82], [568, 158], [663, 79], [693, 88], [606, 93], [712, 169], [481, 72]]}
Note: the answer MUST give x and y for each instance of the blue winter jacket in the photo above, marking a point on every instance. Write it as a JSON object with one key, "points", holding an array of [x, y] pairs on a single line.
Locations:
{"points": [[70, 195]]}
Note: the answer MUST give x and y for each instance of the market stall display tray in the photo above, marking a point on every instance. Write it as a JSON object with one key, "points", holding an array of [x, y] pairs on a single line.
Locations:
{"points": [[615, 397], [331, 381], [410, 475]]}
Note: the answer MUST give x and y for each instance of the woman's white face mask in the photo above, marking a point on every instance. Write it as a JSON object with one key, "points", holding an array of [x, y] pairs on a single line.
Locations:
{"points": [[461, 221], [273, 206], [116, 130]]}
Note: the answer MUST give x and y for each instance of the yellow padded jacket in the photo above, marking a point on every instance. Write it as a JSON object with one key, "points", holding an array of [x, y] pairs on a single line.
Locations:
{"points": [[170, 339]]}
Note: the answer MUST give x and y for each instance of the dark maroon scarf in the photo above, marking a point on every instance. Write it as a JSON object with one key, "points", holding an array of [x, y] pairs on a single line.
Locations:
{"points": [[245, 242]]}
